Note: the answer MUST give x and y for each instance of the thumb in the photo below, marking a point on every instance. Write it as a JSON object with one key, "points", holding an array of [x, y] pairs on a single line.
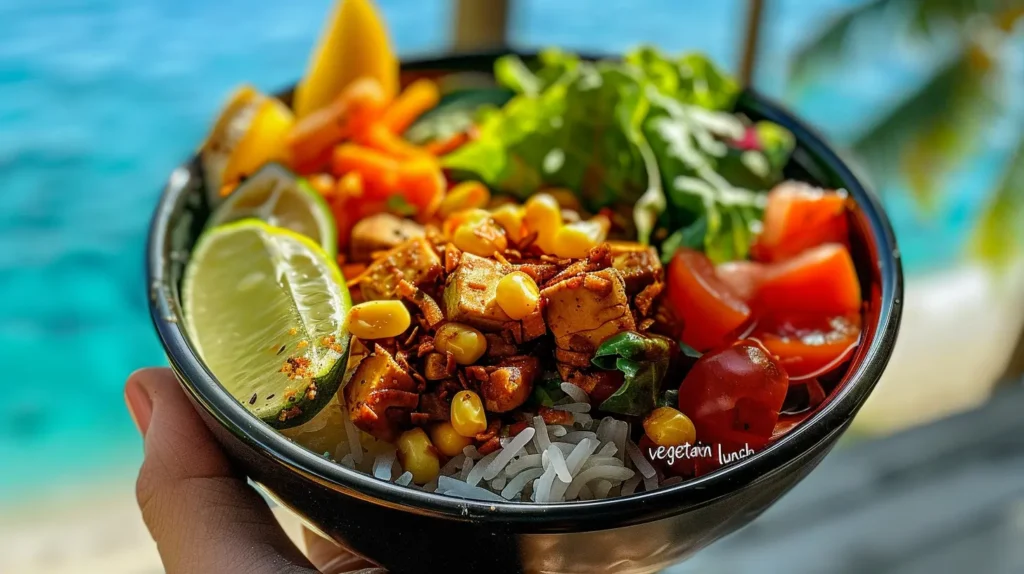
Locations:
{"points": [[203, 516]]}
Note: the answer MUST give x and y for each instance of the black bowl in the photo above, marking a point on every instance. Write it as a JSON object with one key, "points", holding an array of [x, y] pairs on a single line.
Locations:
{"points": [[407, 530]]}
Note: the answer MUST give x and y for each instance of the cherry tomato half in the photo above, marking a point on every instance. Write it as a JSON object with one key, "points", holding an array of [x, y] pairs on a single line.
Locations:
{"points": [[710, 310], [808, 345], [733, 395], [798, 217]]}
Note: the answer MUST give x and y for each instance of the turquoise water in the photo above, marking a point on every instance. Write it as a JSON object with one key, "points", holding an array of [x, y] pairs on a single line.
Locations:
{"points": [[100, 99]]}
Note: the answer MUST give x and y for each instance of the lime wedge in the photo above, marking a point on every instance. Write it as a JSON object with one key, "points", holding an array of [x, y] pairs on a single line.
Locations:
{"points": [[266, 309], [279, 197]]}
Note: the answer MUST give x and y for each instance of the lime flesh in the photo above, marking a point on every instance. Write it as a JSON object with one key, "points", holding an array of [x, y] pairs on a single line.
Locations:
{"points": [[282, 199], [266, 309]]}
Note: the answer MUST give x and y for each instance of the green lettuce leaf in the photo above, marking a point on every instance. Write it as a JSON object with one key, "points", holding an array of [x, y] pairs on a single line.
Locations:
{"points": [[644, 360], [650, 134]]}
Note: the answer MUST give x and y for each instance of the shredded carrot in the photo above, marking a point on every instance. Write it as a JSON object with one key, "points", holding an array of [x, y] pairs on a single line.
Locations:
{"points": [[419, 97], [447, 146], [419, 181], [324, 184], [358, 105], [382, 139], [351, 271]]}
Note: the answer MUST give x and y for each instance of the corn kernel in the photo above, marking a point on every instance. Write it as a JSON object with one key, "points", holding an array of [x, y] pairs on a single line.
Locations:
{"points": [[468, 416], [517, 294], [465, 343], [447, 441], [543, 216], [577, 239], [667, 426], [510, 217], [378, 319], [453, 221], [418, 456], [482, 237], [466, 195], [566, 198]]}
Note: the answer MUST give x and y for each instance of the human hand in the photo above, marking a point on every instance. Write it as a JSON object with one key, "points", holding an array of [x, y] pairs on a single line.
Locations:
{"points": [[203, 515]]}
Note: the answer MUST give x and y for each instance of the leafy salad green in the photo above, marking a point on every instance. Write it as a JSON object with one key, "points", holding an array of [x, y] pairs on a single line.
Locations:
{"points": [[650, 132]]}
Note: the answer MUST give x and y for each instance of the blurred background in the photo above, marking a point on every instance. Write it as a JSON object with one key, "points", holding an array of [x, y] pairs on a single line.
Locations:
{"points": [[100, 99]]}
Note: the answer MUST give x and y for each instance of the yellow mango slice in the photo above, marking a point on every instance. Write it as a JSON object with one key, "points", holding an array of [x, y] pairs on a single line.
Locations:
{"points": [[251, 130], [354, 45]]}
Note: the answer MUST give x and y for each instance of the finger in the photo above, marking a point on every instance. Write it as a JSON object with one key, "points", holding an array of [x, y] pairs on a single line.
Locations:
{"points": [[330, 558], [203, 516]]}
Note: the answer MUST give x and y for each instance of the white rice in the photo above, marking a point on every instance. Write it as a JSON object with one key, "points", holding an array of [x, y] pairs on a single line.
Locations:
{"points": [[558, 461], [452, 487], [608, 449], [573, 407], [586, 460], [629, 486], [519, 481], [601, 488], [542, 487], [522, 463], [541, 438], [576, 436], [650, 483], [639, 461], [478, 470], [505, 455], [467, 467], [355, 448], [382, 465], [453, 465], [575, 393]]}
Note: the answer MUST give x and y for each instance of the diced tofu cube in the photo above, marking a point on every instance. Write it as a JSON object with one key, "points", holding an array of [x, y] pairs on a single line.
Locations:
{"points": [[638, 264], [380, 396], [381, 232], [415, 261], [470, 295], [584, 310]]}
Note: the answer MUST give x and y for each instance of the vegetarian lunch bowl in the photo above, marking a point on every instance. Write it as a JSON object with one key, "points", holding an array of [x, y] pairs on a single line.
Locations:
{"points": [[581, 314]]}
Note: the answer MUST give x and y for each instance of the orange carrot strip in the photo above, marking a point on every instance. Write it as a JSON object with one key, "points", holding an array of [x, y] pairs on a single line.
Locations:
{"points": [[419, 97], [310, 141], [447, 146], [382, 139]]}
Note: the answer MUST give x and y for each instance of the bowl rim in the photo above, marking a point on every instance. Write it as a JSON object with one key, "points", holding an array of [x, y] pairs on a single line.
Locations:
{"points": [[204, 389]]}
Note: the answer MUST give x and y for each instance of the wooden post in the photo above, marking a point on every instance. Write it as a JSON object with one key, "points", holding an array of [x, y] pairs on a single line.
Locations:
{"points": [[480, 24], [751, 38]]}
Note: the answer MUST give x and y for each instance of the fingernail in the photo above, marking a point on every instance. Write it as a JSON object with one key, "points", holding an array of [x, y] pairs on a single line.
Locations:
{"points": [[140, 407]]}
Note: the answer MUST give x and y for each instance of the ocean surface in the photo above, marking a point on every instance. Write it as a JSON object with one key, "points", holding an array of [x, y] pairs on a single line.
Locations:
{"points": [[100, 99]]}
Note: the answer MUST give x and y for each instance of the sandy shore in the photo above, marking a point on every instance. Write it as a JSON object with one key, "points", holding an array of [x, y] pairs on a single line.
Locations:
{"points": [[958, 328]]}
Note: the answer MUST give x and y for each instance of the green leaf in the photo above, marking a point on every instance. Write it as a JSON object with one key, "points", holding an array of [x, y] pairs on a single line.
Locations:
{"points": [[644, 360], [823, 49], [669, 398], [454, 114], [398, 205], [999, 237], [931, 131], [547, 391]]}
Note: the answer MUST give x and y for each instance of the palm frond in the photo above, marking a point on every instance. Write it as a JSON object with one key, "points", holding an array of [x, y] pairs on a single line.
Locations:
{"points": [[999, 236], [931, 15], [932, 130], [829, 44]]}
